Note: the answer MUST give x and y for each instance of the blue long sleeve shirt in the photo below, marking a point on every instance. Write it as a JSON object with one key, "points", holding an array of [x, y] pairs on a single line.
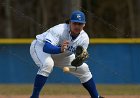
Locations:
{"points": [[51, 49]]}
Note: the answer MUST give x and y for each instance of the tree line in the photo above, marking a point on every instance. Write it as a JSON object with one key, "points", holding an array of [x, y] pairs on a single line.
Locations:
{"points": [[105, 18]]}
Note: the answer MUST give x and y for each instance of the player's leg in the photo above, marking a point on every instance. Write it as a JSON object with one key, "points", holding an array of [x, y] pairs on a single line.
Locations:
{"points": [[45, 64], [85, 76], [38, 85], [82, 72]]}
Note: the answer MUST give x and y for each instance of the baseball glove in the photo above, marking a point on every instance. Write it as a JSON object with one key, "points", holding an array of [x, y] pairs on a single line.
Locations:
{"points": [[80, 56]]}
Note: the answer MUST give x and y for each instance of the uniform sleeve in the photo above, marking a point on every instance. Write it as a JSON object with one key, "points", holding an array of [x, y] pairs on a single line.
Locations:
{"points": [[51, 49], [52, 36], [85, 43]]}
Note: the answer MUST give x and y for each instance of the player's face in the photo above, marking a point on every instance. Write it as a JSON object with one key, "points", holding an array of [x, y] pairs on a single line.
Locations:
{"points": [[76, 27]]}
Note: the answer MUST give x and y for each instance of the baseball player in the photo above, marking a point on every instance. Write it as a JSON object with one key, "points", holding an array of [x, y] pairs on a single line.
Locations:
{"points": [[57, 47]]}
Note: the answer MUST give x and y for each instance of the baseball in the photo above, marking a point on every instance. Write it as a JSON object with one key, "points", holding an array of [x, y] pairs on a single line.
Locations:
{"points": [[66, 69]]}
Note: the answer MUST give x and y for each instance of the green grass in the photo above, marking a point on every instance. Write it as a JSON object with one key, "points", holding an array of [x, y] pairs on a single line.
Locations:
{"points": [[52, 89], [119, 89]]}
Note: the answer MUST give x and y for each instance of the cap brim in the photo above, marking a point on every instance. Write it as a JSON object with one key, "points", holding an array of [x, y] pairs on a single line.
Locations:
{"points": [[77, 21]]}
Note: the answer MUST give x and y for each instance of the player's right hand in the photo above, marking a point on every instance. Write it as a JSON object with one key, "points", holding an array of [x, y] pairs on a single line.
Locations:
{"points": [[64, 45]]}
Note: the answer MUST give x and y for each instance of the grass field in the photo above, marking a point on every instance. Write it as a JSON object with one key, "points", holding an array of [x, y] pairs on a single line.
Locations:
{"points": [[67, 89]]}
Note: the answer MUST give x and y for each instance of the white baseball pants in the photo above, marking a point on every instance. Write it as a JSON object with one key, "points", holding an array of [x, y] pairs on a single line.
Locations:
{"points": [[46, 62]]}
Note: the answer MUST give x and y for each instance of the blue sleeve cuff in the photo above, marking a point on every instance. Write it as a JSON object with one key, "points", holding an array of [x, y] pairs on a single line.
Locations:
{"points": [[51, 49]]}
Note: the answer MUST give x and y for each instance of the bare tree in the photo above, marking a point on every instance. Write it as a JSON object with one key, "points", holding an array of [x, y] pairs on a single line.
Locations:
{"points": [[8, 20], [131, 17], [137, 17]]}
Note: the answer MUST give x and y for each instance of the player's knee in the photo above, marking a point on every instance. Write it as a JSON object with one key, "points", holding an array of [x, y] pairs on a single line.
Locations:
{"points": [[83, 69], [48, 62], [47, 67], [84, 73]]}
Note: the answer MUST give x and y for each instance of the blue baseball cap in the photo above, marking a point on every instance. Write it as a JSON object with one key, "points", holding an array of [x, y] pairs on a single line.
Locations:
{"points": [[77, 16]]}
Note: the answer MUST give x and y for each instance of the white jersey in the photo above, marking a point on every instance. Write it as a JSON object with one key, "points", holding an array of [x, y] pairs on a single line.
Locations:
{"points": [[56, 35], [59, 33]]}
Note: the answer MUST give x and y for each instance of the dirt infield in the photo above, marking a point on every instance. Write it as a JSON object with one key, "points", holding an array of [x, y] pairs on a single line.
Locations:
{"points": [[74, 96]]}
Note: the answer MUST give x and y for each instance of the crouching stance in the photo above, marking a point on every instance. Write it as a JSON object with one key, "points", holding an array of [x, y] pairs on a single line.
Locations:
{"points": [[63, 45]]}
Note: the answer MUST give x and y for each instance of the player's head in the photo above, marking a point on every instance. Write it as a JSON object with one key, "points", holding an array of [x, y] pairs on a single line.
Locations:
{"points": [[77, 21]]}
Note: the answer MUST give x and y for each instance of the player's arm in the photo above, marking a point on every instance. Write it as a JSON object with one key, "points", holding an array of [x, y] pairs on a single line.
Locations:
{"points": [[52, 49], [85, 43]]}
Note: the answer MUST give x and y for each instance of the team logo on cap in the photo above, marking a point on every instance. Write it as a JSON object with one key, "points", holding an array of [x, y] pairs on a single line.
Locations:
{"points": [[78, 16]]}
